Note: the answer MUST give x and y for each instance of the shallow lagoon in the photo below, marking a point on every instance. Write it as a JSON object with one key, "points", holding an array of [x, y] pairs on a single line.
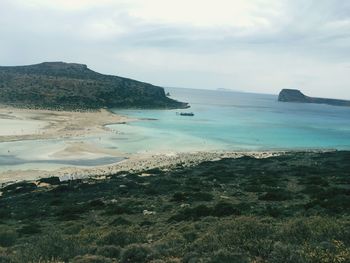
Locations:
{"points": [[223, 121]]}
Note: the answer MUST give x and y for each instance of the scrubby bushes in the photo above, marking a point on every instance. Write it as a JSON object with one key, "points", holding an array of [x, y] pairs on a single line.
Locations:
{"points": [[233, 210], [121, 238], [7, 237], [91, 259], [30, 229], [136, 254], [50, 247], [219, 210]]}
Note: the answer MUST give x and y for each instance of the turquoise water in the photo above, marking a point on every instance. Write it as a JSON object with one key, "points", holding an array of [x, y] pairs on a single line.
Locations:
{"points": [[223, 121], [236, 121]]}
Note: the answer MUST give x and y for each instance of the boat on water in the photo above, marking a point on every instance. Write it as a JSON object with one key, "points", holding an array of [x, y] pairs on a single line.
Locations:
{"points": [[185, 113]]}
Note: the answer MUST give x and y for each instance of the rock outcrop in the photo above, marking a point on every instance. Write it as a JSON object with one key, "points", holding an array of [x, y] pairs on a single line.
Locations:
{"points": [[294, 95]]}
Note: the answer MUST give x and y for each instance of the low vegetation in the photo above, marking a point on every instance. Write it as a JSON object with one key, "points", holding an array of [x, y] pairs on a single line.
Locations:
{"points": [[291, 208]]}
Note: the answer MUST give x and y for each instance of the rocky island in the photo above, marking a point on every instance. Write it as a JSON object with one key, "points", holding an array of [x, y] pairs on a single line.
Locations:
{"points": [[70, 86], [294, 95]]}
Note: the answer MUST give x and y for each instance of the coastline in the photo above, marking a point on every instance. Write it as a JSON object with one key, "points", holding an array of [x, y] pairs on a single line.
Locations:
{"points": [[139, 163], [67, 125]]}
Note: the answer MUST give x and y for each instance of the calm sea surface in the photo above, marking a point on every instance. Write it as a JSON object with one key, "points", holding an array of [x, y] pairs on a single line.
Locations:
{"points": [[237, 121]]}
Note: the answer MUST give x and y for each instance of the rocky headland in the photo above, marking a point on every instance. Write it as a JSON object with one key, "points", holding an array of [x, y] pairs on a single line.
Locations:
{"points": [[294, 95]]}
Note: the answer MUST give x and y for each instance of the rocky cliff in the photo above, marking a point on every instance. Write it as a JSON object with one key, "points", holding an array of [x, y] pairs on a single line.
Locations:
{"points": [[293, 95], [59, 85]]}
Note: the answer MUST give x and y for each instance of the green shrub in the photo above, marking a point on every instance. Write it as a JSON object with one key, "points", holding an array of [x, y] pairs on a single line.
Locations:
{"points": [[30, 229], [50, 180], [226, 256], [71, 212], [114, 209], [200, 196], [7, 237], [192, 213], [179, 197], [136, 254], [276, 195], [121, 238], [328, 252], [285, 253], [109, 251], [120, 221], [296, 231], [50, 247], [225, 209], [91, 259], [96, 204]]}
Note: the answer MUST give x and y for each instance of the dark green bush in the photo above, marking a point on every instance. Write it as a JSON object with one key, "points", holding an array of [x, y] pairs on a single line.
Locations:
{"points": [[192, 213], [285, 253], [200, 196], [96, 204], [114, 209], [225, 209], [121, 238], [50, 247], [7, 237], [109, 251], [30, 229], [91, 259], [276, 195], [179, 197], [120, 221], [136, 254], [50, 180], [226, 256]]}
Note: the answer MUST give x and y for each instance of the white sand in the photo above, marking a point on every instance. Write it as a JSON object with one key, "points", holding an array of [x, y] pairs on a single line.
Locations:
{"points": [[15, 127], [26, 124]]}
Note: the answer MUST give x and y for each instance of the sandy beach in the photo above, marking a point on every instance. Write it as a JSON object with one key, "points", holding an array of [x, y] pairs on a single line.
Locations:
{"points": [[48, 124]]}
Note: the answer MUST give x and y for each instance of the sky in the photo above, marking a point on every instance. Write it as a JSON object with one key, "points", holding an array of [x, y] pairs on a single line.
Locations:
{"points": [[246, 45]]}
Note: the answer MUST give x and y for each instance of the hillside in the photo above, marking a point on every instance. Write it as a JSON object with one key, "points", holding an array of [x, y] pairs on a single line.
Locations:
{"points": [[293, 95], [292, 208], [59, 85]]}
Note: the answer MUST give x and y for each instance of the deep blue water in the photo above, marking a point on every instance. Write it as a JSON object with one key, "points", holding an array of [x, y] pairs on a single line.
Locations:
{"points": [[232, 121]]}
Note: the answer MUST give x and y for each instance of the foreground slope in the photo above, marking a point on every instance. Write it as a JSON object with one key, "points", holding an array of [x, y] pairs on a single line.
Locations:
{"points": [[294, 95], [60, 85], [291, 208]]}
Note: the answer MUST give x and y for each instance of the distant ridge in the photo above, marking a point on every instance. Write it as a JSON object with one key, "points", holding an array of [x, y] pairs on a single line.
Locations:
{"points": [[72, 86], [294, 95]]}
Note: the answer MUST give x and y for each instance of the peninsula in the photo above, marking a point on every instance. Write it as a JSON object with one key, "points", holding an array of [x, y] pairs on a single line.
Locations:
{"points": [[294, 95], [70, 86]]}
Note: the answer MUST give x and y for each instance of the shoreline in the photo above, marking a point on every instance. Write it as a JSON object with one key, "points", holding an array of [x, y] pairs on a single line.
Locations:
{"points": [[139, 163], [69, 125]]}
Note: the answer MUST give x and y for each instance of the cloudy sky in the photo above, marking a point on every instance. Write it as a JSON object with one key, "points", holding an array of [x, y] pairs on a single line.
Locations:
{"points": [[247, 45]]}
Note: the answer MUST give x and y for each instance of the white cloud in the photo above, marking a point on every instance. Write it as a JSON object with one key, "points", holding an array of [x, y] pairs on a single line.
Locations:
{"points": [[210, 13], [256, 45], [64, 5]]}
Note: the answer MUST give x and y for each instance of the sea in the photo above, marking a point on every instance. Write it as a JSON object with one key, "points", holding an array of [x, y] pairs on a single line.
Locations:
{"points": [[222, 121], [227, 120]]}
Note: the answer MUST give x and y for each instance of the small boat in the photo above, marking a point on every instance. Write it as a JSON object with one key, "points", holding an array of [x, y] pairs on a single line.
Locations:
{"points": [[186, 113]]}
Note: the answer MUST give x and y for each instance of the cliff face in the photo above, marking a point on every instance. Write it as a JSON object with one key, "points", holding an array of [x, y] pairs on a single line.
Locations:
{"points": [[61, 85], [293, 95]]}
